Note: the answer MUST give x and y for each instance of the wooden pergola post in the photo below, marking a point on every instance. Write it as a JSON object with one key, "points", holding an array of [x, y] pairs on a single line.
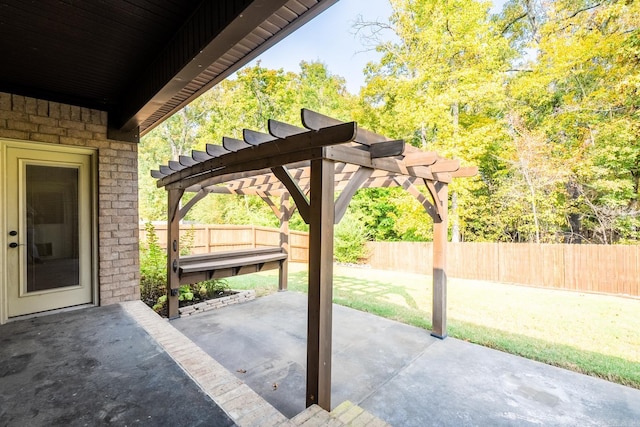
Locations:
{"points": [[285, 215], [439, 311], [322, 212], [173, 251]]}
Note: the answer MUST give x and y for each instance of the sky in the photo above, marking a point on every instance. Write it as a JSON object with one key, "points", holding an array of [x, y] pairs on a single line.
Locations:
{"points": [[330, 38]]}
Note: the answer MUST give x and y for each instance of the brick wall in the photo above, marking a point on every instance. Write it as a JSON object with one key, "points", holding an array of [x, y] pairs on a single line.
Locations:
{"points": [[36, 120]]}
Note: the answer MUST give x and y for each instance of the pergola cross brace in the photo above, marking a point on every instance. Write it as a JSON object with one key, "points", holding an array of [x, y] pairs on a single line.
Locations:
{"points": [[310, 164]]}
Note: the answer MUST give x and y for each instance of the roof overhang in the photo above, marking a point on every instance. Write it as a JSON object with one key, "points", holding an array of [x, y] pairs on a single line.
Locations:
{"points": [[140, 61]]}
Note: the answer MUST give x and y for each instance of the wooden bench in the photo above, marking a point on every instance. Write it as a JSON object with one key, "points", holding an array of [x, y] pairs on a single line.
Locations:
{"points": [[218, 265]]}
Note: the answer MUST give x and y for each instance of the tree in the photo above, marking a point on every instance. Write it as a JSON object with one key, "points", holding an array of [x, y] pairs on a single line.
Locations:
{"points": [[440, 86], [248, 101], [581, 91]]}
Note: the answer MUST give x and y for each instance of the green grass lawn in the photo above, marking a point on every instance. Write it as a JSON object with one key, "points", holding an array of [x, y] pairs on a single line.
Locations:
{"points": [[597, 335]]}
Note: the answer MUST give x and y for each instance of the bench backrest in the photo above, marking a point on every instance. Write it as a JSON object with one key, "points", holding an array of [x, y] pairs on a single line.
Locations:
{"points": [[239, 253]]}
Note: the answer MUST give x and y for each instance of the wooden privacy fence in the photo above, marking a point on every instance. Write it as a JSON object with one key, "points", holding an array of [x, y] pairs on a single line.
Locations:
{"points": [[612, 269], [218, 238]]}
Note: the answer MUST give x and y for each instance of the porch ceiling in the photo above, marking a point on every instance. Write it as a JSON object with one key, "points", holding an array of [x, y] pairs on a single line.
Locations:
{"points": [[139, 60]]}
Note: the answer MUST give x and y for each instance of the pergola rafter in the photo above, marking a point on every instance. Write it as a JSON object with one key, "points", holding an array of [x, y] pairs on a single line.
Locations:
{"points": [[320, 166]]}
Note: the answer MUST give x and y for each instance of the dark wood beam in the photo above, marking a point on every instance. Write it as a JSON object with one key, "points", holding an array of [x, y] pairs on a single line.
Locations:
{"points": [[232, 144], [387, 148], [219, 179], [296, 192], [282, 130], [434, 191], [173, 252], [267, 199], [315, 121], [195, 199], [361, 175], [252, 158], [395, 166], [261, 163], [214, 150], [408, 184], [319, 322], [256, 138]]}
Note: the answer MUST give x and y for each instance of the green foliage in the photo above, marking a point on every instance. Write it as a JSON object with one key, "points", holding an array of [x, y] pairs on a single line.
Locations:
{"points": [[153, 273], [153, 266], [193, 293], [350, 240], [212, 288], [376, 209], [543, 97]]}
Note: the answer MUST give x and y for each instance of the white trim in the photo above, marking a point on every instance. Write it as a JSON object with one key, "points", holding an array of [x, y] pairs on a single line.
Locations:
{"points": [[3, 235], [49, 312], [6, 143]]}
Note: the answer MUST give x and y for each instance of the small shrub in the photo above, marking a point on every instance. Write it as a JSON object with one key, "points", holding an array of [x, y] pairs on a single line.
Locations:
{"points": [[153, 274], [350, 240], [213, 287], [153, 267]]}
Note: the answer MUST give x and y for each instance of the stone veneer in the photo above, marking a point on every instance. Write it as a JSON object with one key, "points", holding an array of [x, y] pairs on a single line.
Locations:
{"points": [[212, 304], [29, 119]]}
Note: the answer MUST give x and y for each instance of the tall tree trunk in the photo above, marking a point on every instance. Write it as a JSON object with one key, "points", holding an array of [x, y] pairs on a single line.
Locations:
{"points": [[534, 208], [455, 221], [575, 219]]}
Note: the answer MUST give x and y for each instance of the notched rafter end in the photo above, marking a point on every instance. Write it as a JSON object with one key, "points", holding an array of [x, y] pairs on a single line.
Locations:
{"points": [[465, 172], [386, 148]]}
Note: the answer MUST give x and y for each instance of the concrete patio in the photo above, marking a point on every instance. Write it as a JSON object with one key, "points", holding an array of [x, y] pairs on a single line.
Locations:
{"points": [[125, 365], [400, 373], [93, 367]]}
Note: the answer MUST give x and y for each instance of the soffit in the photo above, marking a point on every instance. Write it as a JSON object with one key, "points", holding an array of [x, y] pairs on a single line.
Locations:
{"points": [[139, 60]]}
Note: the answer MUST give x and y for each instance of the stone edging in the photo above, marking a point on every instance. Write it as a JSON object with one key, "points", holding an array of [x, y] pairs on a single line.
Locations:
{"points": [[212, 304], [245, 407]]}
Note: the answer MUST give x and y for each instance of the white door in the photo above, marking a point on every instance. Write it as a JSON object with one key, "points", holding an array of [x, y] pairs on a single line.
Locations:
{"points": [[48, 221]]}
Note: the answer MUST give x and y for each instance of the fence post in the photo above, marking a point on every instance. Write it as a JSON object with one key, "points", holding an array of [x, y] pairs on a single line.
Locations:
{"points": [[255, 238]]}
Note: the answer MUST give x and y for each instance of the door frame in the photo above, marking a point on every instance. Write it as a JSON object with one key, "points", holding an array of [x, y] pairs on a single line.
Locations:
{"points": [[6, 143]]}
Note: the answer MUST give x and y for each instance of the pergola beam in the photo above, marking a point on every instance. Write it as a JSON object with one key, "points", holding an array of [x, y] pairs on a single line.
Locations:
{"points": [[248, 158], [296, 192], [408, 184], [361, 175], [395, 166], [195, 199]]}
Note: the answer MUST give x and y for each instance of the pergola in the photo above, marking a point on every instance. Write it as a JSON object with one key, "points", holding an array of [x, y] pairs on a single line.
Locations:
{"points": [[312, 165]]}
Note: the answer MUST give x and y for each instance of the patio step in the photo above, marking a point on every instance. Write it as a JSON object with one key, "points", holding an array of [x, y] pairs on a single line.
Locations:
{"points": [[345, 414]]}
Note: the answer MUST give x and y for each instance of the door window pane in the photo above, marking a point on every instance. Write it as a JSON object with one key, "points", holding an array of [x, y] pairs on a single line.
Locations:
{"points": [[52, 227]]}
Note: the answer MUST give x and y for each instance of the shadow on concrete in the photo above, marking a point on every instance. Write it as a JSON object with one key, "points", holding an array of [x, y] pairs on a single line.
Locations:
{"points": [[93, 367], [400, 373]]}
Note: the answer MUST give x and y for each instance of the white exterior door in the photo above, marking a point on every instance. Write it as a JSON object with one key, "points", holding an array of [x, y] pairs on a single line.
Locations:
{"points": [[48, 228]]}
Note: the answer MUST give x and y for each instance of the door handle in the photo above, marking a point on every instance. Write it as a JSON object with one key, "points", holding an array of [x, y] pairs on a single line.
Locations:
{"points": [[15, 245]]}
